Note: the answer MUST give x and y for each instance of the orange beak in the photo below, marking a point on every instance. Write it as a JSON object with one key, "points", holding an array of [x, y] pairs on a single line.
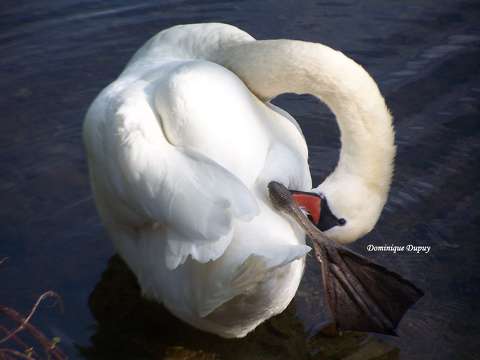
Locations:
{"points": [[310, 202]]}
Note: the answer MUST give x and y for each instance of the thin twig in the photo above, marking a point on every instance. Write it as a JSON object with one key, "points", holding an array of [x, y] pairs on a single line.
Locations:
{"points": [[34, 309], [19, 341], [51, 349], [16, 353]]}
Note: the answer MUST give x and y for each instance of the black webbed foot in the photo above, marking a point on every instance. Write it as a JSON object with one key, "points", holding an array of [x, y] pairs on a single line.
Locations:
{"points": [[362, 295]]}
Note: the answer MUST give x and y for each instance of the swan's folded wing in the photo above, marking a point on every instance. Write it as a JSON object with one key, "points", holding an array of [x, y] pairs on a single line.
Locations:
{"points": [[203, 199], [192, 197], [255, 269]]}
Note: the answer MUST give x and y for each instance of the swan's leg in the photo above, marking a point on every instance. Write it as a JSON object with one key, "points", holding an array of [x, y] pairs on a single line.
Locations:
{"points": [[362, 295]]}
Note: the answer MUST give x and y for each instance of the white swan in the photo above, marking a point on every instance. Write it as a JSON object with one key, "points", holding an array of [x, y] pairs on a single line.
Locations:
{"points": [[181, 148]]}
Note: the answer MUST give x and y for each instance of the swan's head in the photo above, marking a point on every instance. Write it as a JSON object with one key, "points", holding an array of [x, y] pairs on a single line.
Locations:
{"points": [[350, 209]]}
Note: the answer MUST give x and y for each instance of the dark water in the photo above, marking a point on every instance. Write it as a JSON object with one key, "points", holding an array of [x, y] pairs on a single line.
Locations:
{"points": [[57, 55]]}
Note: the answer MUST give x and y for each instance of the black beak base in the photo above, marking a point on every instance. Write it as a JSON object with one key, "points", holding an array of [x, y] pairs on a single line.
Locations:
{"points": [[328, 219]]}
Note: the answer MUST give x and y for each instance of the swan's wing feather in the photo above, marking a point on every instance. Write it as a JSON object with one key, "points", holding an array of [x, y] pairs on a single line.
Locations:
{"points": [[287, 116], [257, 266], [255, 269], [191, 196], [179, 248]]}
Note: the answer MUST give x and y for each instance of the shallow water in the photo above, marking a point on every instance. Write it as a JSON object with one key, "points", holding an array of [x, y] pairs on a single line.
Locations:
{"points": [[57, 55]]}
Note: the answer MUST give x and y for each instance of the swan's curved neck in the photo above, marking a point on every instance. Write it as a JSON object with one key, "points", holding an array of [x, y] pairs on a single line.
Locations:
{"points": [[359, 185], [273, 67]]}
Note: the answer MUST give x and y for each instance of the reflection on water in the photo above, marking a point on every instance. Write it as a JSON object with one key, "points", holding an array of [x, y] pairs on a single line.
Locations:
{"points": [[57, 55], [130, 326]]}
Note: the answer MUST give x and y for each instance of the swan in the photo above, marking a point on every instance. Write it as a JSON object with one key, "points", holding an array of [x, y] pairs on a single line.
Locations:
{"points": [[182, 146]]}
